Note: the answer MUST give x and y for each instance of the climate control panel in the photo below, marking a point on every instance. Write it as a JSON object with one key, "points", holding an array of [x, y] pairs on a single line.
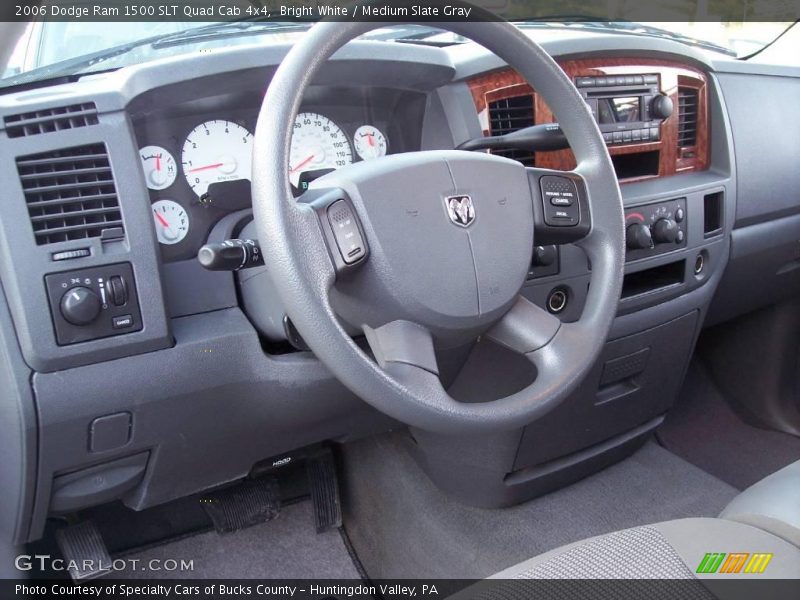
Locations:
{"points": [[89, 304], [655, 228]]}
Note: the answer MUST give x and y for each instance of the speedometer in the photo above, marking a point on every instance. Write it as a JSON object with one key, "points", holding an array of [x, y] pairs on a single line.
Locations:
{"points": [[216, 151], [317, 143]]}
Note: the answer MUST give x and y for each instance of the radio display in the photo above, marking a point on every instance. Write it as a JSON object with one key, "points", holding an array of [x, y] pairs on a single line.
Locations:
{"points": [[618, 110]]}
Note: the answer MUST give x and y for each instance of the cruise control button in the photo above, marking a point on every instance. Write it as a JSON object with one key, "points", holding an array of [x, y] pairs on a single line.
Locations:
{"points": [[345, 230], [561, 201]]}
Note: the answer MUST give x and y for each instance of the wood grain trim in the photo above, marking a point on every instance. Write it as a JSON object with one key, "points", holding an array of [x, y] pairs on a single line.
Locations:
{"points": [[507, 83]]}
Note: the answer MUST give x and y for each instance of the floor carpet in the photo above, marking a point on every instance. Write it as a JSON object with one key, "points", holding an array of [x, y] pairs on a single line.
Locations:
{"points": [[401, 525], [703, 429]]}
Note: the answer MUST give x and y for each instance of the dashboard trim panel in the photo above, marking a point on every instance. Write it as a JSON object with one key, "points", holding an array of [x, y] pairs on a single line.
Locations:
{"points": [[506, 83]]}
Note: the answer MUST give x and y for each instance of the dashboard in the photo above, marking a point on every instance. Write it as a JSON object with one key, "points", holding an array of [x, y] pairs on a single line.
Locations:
{"points": [[196, 155], [177, 346]]}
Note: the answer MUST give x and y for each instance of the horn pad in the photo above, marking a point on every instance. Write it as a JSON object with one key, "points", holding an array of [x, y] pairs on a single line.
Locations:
{"points": [[450, 236]]}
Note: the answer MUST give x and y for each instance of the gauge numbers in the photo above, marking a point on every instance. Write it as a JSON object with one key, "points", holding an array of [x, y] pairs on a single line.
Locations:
{"points": [[317, 143], [369, 142], [216, 151], [171, 221], [159, 167]]}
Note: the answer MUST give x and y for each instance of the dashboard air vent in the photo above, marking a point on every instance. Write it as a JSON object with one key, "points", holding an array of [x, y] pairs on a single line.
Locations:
{"points": [[51, 119], [508, 115], [687, 116], [70, 193]]}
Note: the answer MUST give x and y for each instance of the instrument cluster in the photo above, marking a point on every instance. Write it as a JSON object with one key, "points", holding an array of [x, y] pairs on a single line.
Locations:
{"points": [[182, 165]]}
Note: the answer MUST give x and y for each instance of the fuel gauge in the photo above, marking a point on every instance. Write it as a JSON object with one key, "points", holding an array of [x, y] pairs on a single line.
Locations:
{"points": [[159, 167], [171, 221]]}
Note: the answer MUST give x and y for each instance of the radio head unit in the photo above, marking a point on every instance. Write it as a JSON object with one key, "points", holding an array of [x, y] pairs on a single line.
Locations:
{"points": [[628, 108]]}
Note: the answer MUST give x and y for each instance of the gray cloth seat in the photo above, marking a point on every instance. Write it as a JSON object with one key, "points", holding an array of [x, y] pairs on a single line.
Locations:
{"points": [[757, 536], [668, 550], [772, 504], [657, 562]]}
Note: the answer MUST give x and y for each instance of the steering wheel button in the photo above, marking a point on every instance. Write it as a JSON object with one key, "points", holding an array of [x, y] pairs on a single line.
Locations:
{"points": [[561, 201], [346, 232]]}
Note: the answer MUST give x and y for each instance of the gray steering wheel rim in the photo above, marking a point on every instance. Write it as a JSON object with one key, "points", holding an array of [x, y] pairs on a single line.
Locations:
{"points": [[303, 275]]}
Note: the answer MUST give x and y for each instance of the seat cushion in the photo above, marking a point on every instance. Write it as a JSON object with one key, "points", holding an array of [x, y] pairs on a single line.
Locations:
{"points": [[772, 504], [668, 550]]}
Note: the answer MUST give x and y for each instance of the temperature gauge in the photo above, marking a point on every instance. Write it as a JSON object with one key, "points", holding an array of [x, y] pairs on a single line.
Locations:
{"points": [[369, 142], [159, 167], [171, 220]]}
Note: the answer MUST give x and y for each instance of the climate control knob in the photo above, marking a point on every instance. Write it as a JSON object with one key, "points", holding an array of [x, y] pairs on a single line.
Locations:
{"points": [[665, 231], [637, 236], [661, 107], [80, 306]]}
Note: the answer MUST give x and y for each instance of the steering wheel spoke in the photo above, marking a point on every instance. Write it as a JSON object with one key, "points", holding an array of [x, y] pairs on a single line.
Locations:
{"points": [[403, 342], [560, 206], [525, 328]]}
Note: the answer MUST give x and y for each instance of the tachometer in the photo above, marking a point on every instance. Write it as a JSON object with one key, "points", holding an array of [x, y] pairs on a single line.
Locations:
{"points": [[317, 143], [216, 151]]}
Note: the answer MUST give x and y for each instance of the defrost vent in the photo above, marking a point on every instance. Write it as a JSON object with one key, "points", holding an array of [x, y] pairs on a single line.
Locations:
{"points": [[51, 119]]}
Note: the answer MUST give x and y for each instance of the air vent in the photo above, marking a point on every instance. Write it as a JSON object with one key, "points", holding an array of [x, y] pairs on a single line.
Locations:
{"points": [[51, 119], [70, 194], [511, 114], [687, 117]]}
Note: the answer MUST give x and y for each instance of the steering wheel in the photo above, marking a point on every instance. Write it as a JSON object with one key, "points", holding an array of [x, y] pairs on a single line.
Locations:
{"points": [[428, 250]]}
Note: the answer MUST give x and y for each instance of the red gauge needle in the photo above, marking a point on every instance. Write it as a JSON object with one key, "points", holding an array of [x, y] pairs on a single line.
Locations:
{"points": [[302, 164], [206, 168], [161, 220], [371, 139], [158, 162]]}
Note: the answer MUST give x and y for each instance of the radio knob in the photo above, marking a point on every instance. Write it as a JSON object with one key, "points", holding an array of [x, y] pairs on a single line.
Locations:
{"points": [[665, 231], [637, 236], [80, 306], [661, 107]]}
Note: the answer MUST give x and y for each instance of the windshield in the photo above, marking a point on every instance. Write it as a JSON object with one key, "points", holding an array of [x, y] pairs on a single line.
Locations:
{"points": [[57, 49]]}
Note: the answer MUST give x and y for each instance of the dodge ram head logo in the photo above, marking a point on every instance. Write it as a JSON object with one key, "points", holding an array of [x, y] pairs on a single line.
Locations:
{"points": [[460, 210]]}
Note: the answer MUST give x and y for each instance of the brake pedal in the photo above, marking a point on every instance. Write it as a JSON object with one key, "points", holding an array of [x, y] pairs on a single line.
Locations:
{"points": [[324, 487], [250, 503], [84, 551]]}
